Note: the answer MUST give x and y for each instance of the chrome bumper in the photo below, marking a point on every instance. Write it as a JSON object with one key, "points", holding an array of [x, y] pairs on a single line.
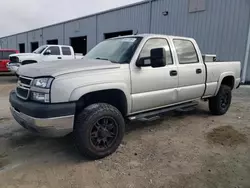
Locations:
{"points": [[13, 67], [49, 127]]}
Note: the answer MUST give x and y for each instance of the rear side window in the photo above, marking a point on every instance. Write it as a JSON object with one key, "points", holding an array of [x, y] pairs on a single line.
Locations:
{"points": [[54, 50], [5, 54], [66, 51], [185, 51]]}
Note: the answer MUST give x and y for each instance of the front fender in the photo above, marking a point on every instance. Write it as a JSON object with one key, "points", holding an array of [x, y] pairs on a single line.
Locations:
{"points": [[77, 93], [222, 76]]}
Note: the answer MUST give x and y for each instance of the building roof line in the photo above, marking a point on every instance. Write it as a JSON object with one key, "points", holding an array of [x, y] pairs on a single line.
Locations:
{"points": [[83, 17]]}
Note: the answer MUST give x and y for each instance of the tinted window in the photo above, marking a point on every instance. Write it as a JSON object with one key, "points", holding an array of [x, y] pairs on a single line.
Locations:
{"points": [[54, 50], [5, 54], [157, 43], [66, 51], [185, 51]]}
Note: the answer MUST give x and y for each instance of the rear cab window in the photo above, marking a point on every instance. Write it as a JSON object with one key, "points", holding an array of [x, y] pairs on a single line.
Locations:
{"points": [[5, 54], [186, 51]]}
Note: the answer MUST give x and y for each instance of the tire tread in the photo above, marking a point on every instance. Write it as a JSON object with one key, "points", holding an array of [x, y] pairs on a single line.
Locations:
{"points": [[81, 126], [214, 102]]}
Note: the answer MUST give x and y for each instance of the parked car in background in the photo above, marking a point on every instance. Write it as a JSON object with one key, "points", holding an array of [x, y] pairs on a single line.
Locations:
{"points": [[42, 54], [134, 77], [4, 58]]}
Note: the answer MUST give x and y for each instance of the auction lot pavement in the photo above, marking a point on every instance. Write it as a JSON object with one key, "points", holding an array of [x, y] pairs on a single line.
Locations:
{"points": [[191, 149]]}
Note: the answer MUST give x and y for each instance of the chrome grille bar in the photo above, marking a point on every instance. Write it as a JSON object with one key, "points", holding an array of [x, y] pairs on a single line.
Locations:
{"points": [[23, 87]]}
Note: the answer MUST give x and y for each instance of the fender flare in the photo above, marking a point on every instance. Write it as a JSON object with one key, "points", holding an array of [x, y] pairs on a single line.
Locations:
{"points": [[222, 76], [77, 93]]}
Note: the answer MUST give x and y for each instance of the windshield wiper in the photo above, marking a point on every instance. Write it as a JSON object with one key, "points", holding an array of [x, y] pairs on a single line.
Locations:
{"points": [[102, 58], [105, 59]]}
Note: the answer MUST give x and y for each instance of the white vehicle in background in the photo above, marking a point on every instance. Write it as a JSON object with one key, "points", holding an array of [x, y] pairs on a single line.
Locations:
{"points": [[42, 54]]}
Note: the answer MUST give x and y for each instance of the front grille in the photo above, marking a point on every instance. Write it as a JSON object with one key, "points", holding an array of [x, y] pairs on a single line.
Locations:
{"points": [[14, 59], [23, 87], [25, 81], [22, 92]]}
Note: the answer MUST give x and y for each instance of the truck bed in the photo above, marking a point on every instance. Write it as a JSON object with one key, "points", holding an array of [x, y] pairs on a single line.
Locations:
{"points": [[217, 70]]}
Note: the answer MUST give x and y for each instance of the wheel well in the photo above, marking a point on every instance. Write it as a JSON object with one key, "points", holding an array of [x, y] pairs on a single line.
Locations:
{"points": [[229, 81], [26, 62], [114, 97]]}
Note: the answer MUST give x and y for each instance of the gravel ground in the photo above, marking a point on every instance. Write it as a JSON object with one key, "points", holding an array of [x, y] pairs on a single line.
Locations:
{"points": [[191, 149]]}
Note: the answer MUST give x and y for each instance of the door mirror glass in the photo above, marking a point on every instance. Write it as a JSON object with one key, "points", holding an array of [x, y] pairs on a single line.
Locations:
{"points": [[143, 62], [47, 52], [158, 57]]}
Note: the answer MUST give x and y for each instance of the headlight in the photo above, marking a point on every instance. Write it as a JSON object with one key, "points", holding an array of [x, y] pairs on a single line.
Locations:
{"points": [[43, 82], [40, 97]]}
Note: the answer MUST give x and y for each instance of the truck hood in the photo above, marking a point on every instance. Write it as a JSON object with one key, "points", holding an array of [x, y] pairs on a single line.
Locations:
{"points": [[56, 68], [24, 54]]}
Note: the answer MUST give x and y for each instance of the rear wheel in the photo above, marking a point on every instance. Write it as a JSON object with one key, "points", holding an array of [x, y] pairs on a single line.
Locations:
{"points": [[220, 104], [98, 130]]}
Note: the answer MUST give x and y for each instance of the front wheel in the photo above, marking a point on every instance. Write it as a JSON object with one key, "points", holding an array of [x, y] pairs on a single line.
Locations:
{"points": [[220, 104], [98, 130]]}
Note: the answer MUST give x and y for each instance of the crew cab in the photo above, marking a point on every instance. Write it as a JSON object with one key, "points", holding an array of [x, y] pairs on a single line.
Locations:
{"points": [[126, 78], [4, 58], [41, 54]]}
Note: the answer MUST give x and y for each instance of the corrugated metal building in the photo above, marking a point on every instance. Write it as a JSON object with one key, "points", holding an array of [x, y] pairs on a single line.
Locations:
{"points": [[220, 27]]}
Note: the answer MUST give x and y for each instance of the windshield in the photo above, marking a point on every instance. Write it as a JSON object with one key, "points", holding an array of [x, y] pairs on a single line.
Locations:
{"points": [[40, 50], [118, 50]]}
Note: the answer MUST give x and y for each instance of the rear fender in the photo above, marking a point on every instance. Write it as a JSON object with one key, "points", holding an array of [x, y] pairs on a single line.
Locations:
{"points": [[222, 76]]}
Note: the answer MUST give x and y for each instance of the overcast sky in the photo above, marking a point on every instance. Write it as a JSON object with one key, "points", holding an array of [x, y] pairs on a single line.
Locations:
{"points": [[22, 15]]}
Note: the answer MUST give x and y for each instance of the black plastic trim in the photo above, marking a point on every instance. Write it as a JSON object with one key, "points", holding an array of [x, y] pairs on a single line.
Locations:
{"points": [[39, 110], [238, 85]]}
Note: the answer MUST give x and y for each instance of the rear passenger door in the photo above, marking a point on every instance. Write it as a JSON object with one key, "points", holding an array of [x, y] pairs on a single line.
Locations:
{"points": [[191, 70]]}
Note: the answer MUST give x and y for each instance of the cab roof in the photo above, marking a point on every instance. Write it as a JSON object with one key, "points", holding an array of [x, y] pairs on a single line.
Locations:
{"points": [[148, 35]]}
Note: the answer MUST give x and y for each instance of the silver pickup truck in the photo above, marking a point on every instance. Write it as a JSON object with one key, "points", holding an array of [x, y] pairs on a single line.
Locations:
{"points": [[125, 78]]}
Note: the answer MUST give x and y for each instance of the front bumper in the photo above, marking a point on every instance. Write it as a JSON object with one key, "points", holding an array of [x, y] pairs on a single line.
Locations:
{"points": [[50, 120], [13, 67]]}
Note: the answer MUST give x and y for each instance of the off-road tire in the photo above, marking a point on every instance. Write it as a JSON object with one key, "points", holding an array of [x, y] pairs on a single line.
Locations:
{"points": [[83, 127], [216, 104]]}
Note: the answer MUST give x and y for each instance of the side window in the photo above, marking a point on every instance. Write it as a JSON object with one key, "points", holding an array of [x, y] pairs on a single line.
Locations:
{"points": [[157, 43], [54, 50], [66, 51], [185, 51]]}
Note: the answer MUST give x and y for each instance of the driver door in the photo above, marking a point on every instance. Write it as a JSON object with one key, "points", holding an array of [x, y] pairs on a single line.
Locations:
{"points": [[52, 53], [154, 87]]}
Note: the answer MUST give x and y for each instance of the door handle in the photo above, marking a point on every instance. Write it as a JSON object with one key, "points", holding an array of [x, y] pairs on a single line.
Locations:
{"points": [[173, 73], [59, 57], [198, 71]]}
